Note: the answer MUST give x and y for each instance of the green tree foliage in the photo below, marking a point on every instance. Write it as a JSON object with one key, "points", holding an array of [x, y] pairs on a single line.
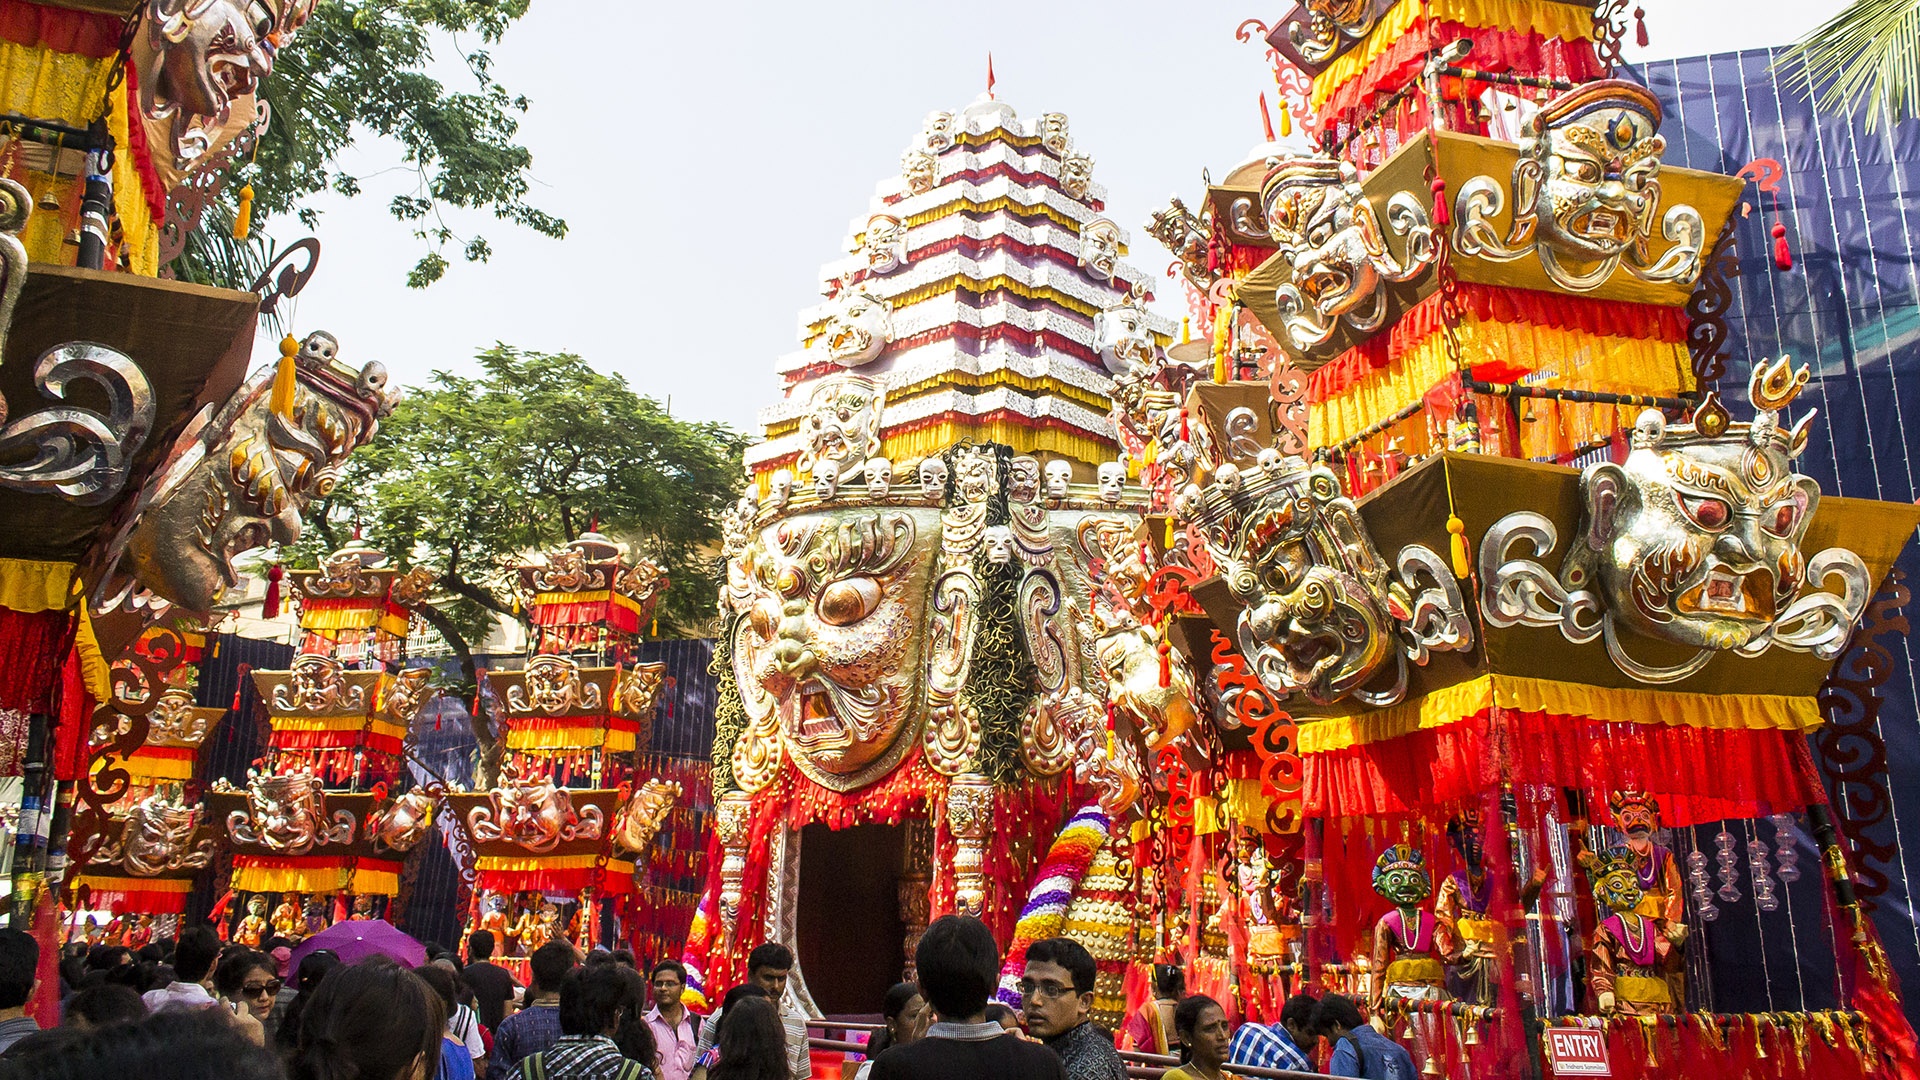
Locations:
{"points": [[358, 67], [1868, 54], [471, 475]]}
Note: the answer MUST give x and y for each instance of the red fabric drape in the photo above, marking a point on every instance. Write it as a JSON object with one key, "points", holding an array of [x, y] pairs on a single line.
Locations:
{"points": [[1522, 52], [87, 34], [1699, 774]]}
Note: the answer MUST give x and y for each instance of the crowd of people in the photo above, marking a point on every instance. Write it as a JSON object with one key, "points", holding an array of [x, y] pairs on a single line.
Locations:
{"points": [[194, 1008]]}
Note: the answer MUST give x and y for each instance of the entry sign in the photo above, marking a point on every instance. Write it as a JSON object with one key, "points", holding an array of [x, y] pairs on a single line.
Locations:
{"points": [[1577, 1051]]}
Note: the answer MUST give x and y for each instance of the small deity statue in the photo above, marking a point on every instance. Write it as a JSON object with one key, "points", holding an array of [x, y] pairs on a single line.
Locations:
{"points": [[1634, 966], [362, 908], [254, 926], [493, 919], [1410, 944], [537, 928], [1267, 939], [316, 918], [140, 933], [1464, 899], [1663, 894], [287, 920]]}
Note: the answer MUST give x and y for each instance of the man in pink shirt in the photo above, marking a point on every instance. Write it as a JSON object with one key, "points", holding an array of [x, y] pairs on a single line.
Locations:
{"points": [[673, 1031]]}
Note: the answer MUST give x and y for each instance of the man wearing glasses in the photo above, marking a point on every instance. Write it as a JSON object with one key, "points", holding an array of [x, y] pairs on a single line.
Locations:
{"points": [[673, 1032], [1057, 994]]}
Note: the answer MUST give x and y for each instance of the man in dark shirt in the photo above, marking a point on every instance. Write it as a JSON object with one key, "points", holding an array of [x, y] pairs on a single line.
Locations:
{"points": [[1057, 991], [536, 1027], [492, 985], [958, 965]]}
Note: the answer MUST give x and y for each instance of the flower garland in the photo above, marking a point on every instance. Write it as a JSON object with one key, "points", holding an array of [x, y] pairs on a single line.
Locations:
{"points": [[1053, 888]]}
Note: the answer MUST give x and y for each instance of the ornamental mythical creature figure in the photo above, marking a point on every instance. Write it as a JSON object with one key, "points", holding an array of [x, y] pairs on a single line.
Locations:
{"points": [[244, 480], [1694, 539], [1322, 615], [1586, 192], [1330, 236]]}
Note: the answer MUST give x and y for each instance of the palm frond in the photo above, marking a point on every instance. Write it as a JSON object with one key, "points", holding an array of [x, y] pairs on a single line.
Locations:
{"points": [[1868, 54]]}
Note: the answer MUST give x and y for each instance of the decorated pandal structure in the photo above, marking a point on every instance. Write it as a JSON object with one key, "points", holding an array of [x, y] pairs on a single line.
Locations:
{"points": [[138, 457], [556, 836], [1428, 603]]}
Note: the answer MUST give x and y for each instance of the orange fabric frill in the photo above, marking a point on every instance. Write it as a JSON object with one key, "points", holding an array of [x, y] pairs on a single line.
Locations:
{"points": [[1488, 303]]}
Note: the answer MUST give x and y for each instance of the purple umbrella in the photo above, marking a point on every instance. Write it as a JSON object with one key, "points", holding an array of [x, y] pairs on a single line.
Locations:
{"points": [[354, 941]]}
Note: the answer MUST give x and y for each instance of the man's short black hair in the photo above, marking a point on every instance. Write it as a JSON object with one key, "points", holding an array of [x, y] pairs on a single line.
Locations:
{"points": [[674, 966], [1336, 1011], [1070, 955], [959, 963], [480, 945], [1298, 1012], [591, 999], [19, 960], [550, 964], [106, 1004], [194, 954], [772, 956]]}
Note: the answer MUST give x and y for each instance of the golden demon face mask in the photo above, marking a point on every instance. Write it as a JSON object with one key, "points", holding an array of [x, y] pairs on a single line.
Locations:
{"points": [[1694, 540], [830, 644], [1586, 191], [1616, 879], [1328, 233], [842, 425], [1322, 616], [244, 480], [200, 63]]}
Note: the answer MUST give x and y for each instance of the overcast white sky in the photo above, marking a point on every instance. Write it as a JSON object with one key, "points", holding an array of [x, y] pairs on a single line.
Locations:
{"points": [[708, 158]]}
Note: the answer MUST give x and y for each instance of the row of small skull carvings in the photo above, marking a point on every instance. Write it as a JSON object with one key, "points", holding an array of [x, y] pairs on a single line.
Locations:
{"points": [[1057, 477]]}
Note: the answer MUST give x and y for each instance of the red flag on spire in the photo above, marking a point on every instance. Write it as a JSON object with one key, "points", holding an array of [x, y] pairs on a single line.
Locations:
{"points": [[989, 73], [1266, 120]]}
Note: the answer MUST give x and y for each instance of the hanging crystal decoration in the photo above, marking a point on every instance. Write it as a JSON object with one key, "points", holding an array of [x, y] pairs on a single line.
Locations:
{"points": [[1757, 852], [1729, 865], [1703, 904], [1787, 852]]}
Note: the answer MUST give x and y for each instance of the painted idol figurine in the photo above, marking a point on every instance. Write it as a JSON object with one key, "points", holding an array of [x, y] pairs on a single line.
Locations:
{"points": [[1633, 967]]}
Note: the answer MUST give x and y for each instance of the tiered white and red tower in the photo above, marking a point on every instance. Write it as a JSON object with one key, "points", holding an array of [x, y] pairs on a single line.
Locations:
{"points": [[974, 301]]}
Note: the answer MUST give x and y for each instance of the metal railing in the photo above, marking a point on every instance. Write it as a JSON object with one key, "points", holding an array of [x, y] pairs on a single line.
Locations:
{"points": [[1140, 1066]]}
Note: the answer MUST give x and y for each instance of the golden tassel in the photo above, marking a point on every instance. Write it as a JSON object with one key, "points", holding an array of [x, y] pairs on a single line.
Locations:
{"points": [[285, 380], [1186, 329], [1286, 120], [1458, 530], [243, 217]]}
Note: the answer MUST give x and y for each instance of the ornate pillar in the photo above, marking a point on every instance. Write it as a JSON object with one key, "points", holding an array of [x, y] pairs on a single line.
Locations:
{"points": [[969, 813], [733, 818], [916, 877]]}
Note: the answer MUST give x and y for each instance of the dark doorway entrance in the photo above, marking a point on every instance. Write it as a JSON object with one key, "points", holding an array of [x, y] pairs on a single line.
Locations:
{"points": [[849, 926]]}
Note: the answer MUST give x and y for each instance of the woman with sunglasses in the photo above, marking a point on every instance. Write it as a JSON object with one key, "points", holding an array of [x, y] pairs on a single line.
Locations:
{"points": [[248, 982]]}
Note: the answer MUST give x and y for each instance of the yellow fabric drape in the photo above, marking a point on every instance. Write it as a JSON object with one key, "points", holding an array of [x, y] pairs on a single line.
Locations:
{"points": [[70, 89], [336, 723], [530, 864], [581, 738], [1620, 365], [1461, 701], [142, 233], [32, 585], [1567, 22], [95, 672], [370, 882], [305, 879], [117, 883]]}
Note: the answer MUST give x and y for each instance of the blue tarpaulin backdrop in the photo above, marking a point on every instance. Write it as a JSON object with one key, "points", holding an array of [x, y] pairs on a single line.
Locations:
{"points": [[1850, 307]]}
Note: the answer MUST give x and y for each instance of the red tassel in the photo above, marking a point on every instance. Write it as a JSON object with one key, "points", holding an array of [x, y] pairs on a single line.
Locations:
{"points": [[240, 684], [1782, 255], [1440, 218], [270, 607], [1640, 26]]}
